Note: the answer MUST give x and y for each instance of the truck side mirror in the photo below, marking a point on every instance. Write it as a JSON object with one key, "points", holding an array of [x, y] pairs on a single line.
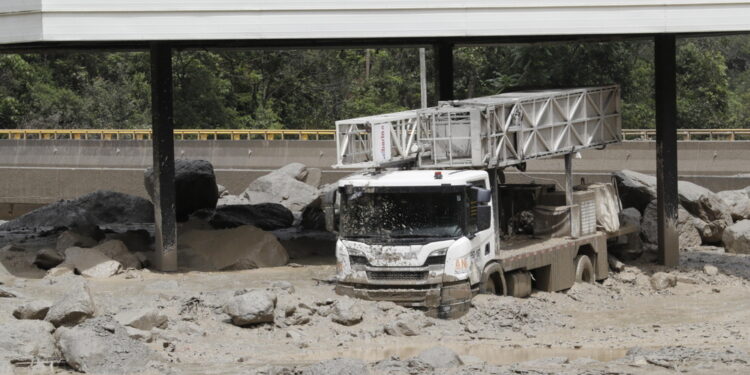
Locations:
{"points": [[329, 210], [483, 195]]}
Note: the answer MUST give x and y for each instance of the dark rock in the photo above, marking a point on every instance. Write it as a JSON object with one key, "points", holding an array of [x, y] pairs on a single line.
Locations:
{"points": [[48, 259], [313, 218], [195, 186], [689, 235], [636, 189], [266, 216], [86, 212], [244, 247]]}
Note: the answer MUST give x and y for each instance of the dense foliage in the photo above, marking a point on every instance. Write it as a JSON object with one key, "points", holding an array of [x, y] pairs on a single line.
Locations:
{"points": [[313, 88]]}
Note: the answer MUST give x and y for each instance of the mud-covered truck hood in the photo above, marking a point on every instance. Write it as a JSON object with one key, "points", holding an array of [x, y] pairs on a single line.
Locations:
{"points": [[396, 255]]}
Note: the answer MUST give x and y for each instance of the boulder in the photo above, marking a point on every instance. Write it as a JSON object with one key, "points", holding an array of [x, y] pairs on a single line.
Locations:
{"points": [[92, 262], [440, 357], [297, 171], [195, 186], [686, 227], [144, 319], [230, 200], [313, 218], [338, 366], [630, 216], [736, 238], [138, 240], [87, 211], [710, 270], [636, 189], [243, 247], [314, 177], [707, 206], [401, 328], [222, 190], [266, 216], [117, 251], [253, 307], [70, 238], [73, 308], [346, 312], [102, 346], [35, 310], [738, 202], [663, 280], [280, 187], [27, 339], [48, 258]]}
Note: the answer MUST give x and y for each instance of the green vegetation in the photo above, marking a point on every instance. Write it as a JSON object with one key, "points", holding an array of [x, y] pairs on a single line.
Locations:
{"points": [[310, 89]]}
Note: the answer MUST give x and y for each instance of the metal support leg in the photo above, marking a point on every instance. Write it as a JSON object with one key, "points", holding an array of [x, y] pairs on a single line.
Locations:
{"points": [[444, 61], [163, 152], [666, 149], [569, 179]]}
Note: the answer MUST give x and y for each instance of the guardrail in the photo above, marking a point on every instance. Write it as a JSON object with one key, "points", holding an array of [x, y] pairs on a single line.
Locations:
{"points": [[691, 134], [312, 134], [180, 134]]}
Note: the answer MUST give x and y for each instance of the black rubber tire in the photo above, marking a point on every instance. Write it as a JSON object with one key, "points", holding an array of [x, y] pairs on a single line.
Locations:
{"points": [[518, 284], [584, 269]]}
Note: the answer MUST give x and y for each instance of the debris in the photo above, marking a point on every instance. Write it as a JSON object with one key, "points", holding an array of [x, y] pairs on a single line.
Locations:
{"points": [[243, 247], [48, 258], [710, 270], [615, 264], [338, 366], [139, 334], [102, 346], [663, 280], [6, 294], [195, 186], [92, 262], [253, 307], [27, 339], [73, 308], [440, 357], [738, 202], [35, 310], [401, 328], [736, 238], [283, 285], [144, 319], [346, 312], [117, 250]]}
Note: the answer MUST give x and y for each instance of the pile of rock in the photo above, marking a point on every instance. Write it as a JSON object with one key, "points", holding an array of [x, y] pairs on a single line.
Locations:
{"points": [[704, 217]]}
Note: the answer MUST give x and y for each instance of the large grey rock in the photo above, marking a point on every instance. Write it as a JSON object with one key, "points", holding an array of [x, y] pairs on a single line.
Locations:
{"points": [[35, 310], [73, 308], [27, 339], [736, 238], [636, 189], [102, 346], [707, 206], [48, 258], [70, 238], [346, 312], [314, 177], [297, 171], [738, 202], [116, 250], [87, 211], [630, 216], [686, 227], [253, 307], [280, 187], [440, 357], [92, 262], [144, 319], [338, 366], [243, 247], [266, 216], [195, 186]]}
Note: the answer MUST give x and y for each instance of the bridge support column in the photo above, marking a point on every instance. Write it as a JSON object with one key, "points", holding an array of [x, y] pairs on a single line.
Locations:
{"points": [[444, 68], [163, 152], [666, 148]]}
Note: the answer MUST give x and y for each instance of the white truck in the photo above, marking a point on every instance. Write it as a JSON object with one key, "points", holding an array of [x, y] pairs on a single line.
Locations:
{"points": [[431, 222]]}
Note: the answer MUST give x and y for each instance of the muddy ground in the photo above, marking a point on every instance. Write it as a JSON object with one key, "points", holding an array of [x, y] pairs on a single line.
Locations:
{"points": [[620, 326]]}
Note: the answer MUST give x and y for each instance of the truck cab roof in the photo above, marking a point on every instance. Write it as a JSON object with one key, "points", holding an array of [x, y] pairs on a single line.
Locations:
{"points": [[414, 178]]}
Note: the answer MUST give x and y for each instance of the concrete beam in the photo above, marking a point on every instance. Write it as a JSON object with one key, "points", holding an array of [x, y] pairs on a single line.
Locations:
{"points": [[163, 157], [666, 148]]}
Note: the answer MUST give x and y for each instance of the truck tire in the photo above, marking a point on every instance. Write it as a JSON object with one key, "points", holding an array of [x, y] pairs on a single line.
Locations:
{"points": [[518, 283], [584, 269], [493, 281]]}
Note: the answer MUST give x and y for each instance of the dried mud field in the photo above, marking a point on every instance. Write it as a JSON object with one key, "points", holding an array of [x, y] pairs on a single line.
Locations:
{"points": [[619, 326]]}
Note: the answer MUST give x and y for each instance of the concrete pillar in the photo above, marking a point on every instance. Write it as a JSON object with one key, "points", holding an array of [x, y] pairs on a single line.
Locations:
{"points": [[444, 68], [163, 152], [666, 148]]}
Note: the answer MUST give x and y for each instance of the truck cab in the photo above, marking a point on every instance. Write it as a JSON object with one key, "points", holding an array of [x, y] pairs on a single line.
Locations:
{"points": [[418, 237]]}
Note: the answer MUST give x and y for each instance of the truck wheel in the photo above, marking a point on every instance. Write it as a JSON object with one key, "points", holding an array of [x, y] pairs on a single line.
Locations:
{"points": [[584, 269], [518, 283], [493, 281]]}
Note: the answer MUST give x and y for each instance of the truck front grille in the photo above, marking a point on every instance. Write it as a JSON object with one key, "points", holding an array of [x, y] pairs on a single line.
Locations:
{"points": [[397, 275]]}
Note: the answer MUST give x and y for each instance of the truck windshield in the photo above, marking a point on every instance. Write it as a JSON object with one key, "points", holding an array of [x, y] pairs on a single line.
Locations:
{"points": [[402, 215]]}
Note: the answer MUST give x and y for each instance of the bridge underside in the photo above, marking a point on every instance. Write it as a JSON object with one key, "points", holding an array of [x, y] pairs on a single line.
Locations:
{"points": [[163, 127]]}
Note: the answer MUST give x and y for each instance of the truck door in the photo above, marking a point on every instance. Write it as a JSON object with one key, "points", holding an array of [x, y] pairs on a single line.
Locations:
{"points": [[480, 228]]}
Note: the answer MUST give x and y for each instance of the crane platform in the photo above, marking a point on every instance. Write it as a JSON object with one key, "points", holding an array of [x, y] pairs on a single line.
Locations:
{"points": [[486, 132]]}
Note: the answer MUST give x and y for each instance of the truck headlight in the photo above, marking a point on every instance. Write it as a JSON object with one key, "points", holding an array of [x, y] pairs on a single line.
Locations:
{"points": [[462, 264]]}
